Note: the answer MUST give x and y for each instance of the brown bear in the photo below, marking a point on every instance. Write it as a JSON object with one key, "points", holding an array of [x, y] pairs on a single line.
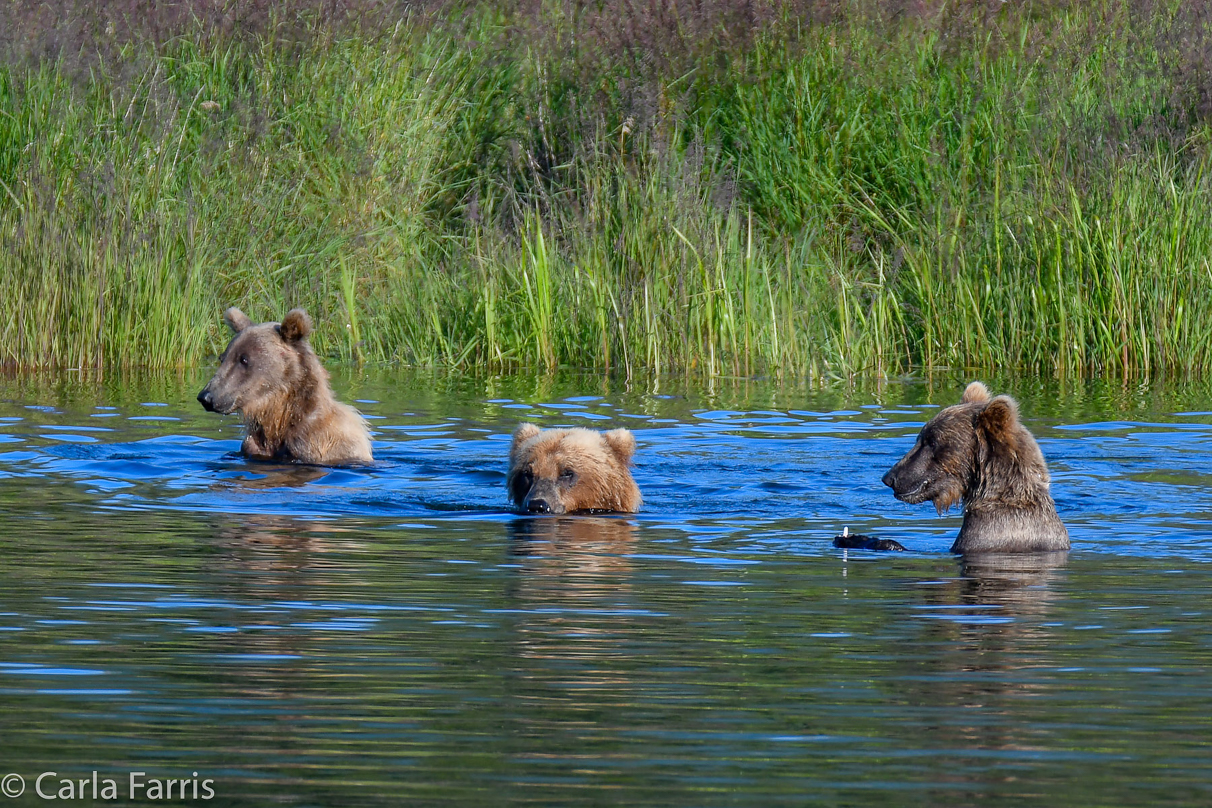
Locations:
{"points": [[271, 376], [977, 452], [569, 470]]}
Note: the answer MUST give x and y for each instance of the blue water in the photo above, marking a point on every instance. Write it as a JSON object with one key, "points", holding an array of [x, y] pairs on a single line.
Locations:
{"points": [[394, 635]]}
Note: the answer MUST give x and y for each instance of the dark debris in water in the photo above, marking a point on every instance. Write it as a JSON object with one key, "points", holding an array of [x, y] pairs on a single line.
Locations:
{"points": [[857, 541]]}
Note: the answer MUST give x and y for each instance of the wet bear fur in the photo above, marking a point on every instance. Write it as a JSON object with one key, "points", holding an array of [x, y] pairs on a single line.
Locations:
{"points": [[270, 375], [976, 452], [572, 471]]}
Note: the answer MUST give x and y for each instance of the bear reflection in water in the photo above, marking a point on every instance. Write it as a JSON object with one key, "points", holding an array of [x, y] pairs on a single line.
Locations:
{"points": [[277, 547], [1019, 583], [259, 565], [588, 553], [985, 650], [576, 624], [272, 476]]}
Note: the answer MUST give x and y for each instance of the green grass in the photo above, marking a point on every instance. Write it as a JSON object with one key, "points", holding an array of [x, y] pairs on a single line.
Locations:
{"points": [[855, 198]]}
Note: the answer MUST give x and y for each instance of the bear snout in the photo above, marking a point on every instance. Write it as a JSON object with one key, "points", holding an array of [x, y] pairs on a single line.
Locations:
{"points": [[542, 504], [543, 497], [206, 400], [537, 506], [906, 484]]}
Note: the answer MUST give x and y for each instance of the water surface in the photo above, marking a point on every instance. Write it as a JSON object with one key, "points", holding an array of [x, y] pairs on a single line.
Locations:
{"points": [[394, 635]]}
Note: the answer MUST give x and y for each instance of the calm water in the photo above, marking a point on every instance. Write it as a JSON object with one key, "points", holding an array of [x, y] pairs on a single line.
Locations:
{"points": [[394, 636]]}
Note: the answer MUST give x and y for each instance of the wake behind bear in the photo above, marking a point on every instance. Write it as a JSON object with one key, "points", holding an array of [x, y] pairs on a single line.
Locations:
{"points": [[270, 375], [976, 452], [561, 471]]}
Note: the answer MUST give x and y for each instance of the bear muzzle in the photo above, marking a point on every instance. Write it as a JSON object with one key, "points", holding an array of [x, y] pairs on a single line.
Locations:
{"points": [[901, 487], [209, 403], [543, 498], [537, 506]]}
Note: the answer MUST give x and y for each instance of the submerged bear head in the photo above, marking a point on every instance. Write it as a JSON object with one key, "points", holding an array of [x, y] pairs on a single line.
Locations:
{"points": [[569, 470], [264, 365], [974, 450]]}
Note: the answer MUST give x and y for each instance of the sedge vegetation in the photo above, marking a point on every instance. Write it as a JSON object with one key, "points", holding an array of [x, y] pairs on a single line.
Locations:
{"points": [[838, 190]]}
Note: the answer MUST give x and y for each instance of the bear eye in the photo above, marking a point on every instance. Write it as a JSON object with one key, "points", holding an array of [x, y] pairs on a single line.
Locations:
{"points": [[244, 359], [567, 476]]}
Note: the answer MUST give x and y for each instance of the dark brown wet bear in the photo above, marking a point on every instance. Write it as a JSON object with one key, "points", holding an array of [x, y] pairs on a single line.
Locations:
{"points": [[270, 375], [978, 453], [572, 470]]}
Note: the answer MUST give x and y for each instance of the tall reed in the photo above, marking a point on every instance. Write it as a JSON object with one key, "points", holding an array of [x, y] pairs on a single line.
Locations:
{"points": [[834, 195]]}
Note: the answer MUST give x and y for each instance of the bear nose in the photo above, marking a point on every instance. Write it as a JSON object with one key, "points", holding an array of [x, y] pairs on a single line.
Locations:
{"points": [[890, 479], [207, 402], [537, 506]]}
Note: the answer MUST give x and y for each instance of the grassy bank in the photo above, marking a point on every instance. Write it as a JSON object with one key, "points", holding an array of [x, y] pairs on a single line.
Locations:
{"points": [[834, 192]]}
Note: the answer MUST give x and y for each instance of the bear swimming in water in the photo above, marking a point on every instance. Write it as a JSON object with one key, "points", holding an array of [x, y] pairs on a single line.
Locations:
{"points": [[271, 376], [976, 452], [572, 470]]}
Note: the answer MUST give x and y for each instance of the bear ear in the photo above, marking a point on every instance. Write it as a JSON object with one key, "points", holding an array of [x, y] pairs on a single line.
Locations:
{"points": [[523, 433], [975, 393], [621, 442], [236, 320], [296, 325], [999, 420]]}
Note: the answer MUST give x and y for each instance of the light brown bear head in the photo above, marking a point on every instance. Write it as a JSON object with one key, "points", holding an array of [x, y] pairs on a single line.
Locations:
{"points": [[973, 451], [569, 470], [271, 376], [264, 367]]}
